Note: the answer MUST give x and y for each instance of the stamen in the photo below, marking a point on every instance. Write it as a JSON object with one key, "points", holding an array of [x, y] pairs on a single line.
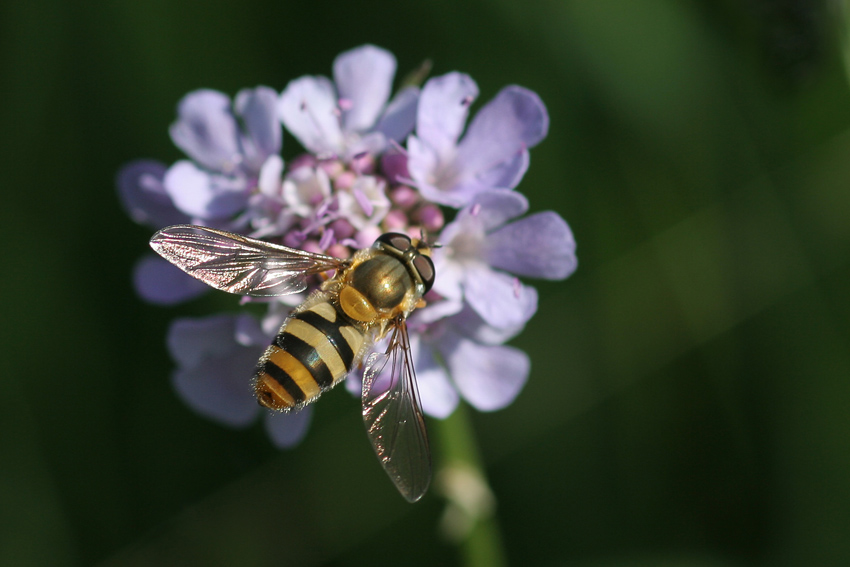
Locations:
{"points": [[398, 147], [364, 202], [467, 100], [517, 287], [345, 104], [323, 207], [327, 239], [476, 208]]}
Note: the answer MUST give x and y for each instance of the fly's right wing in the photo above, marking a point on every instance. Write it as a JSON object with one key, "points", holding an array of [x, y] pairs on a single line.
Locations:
{"points": [[392, 413], [238, 264]]}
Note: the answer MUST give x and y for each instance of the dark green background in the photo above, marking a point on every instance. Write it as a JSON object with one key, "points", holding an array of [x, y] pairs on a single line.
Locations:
{"points": [[689, 402]]}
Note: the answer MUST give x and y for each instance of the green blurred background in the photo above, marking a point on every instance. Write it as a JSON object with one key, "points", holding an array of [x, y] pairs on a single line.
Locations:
{"points": [[689, 402]]}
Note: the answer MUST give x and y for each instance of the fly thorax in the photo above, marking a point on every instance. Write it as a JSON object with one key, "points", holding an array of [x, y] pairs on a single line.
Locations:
{"points": [[382, 280]]}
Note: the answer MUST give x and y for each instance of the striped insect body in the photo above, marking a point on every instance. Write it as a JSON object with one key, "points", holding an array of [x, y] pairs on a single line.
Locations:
{"points": [[314, 350], [368, 298]]}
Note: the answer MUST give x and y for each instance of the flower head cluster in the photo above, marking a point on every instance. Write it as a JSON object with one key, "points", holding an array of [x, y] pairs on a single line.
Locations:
{"points": [[374, 163]]}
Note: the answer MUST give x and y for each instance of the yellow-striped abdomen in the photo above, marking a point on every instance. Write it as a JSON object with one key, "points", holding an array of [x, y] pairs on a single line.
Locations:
{"points": [[314, 350]]}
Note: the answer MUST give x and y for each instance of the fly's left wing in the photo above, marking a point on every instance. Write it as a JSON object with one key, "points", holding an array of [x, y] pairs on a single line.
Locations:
{"points": [[393, 416], [238, 264]]}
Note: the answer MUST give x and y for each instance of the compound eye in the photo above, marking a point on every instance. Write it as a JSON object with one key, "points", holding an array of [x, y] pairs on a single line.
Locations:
{"points": [[396, 240], [425, 266]]}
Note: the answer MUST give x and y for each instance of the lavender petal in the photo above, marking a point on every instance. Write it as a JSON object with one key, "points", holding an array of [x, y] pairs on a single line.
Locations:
{"points": [[202, 194], [540, 246], [507, 174], [144, 197], [399, 118], [262, 138], [288, 429], [488, 377], [159, 282], [363, 78], [436, 392], [308, 109], [500, 299], [509, 124], [213, 375], [207, 131], [443, 109], [494, 207]]}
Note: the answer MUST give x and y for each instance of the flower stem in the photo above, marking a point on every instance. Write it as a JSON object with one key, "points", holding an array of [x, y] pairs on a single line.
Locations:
{"points": [[469, 519]]}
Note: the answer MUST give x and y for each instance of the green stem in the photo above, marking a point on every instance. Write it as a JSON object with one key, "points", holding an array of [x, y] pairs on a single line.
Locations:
{"points": [[470, 519]]}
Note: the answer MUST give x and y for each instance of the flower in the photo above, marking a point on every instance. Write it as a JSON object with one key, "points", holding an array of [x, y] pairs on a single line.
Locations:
{"points": [[364, 174], [481, 249], [229, 145], [494, 150]]}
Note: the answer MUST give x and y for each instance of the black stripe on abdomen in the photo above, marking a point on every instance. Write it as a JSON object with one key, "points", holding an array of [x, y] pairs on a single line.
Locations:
{"points": [[285, 380], [308, 356], [329, 329]]}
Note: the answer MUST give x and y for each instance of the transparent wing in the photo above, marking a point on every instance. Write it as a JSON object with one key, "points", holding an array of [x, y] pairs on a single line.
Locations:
{"points": [[238, 264], [393, 416]]}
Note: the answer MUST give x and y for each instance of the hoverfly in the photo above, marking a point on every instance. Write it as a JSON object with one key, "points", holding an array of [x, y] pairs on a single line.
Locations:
{"points": [[368, 298]]}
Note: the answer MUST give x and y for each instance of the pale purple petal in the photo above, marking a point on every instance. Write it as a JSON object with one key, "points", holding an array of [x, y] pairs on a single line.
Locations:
{"points": [[373, 143], [443, 109], [157, 281], [436, 392], [249, 332], [308, 109], [454, 194], [423, 166], [144, 197], [469, 323], [507, 174], [214, 374], [495, 207], [204, 195], [450, 276], [258, 110], [500, 299], [288, 429], [488, 377], [399, 118], [509, 124], [207, 131], [363, 78], [190, 341], [270, 179], [540, 246], [437, 310]]}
